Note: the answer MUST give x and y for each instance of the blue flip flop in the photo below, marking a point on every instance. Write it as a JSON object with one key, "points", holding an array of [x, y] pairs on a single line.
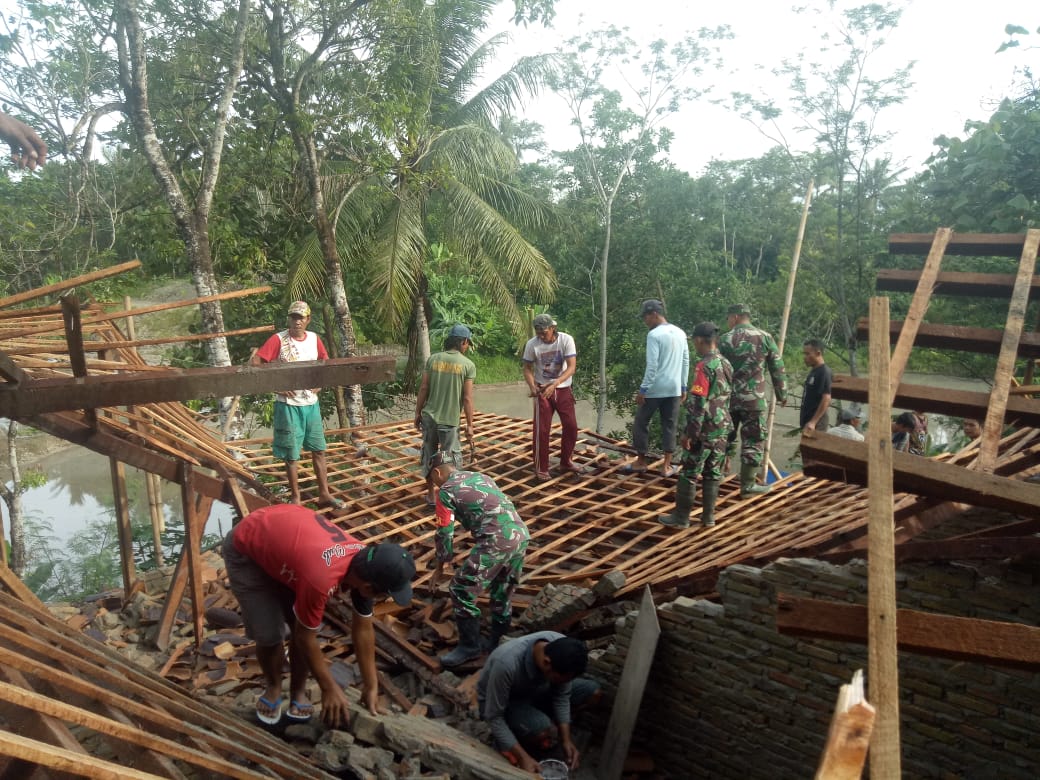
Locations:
{"points": [[299, 717], [270, 720]]}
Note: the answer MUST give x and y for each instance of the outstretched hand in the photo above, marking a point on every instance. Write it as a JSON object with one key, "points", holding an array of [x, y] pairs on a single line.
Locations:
{"points": [[27, 148]]}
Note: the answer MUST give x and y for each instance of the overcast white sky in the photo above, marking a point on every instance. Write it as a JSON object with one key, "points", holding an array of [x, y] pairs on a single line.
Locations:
{"points": [[958, 75]]}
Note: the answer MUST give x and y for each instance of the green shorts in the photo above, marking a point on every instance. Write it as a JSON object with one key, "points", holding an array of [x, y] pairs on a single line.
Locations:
{"points": [[297, 428]]}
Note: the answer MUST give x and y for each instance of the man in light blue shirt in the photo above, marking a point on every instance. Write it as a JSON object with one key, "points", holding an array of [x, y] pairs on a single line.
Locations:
{"points": [[663, 386]]}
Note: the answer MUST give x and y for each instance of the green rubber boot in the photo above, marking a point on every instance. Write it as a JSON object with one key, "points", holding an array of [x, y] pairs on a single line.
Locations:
{"points": [[711, 495], [748, 485], [685, 491], [468, 648]]}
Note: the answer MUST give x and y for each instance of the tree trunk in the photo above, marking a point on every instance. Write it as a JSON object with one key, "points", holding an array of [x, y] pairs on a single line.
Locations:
{"points": [[422, 333], [13, 499], [601, 400]]}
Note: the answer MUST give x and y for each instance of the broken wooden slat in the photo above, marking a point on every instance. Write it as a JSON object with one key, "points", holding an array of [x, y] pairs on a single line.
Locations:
{"points": [[993, 423], [918, 307], [965, 639], [68, 284]]}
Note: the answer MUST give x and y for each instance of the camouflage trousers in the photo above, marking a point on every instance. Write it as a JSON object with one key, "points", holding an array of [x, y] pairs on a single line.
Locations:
{"points": [[493, 565], [750, 424], [705, 458]]}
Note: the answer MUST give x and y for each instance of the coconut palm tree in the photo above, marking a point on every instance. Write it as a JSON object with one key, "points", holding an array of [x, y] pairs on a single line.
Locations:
{"points": [[447, 173]]}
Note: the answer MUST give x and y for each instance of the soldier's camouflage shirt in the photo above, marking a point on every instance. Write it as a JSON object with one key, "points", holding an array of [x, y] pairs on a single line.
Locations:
{"points": [[749, 350], [478, 505], [707, 405]]}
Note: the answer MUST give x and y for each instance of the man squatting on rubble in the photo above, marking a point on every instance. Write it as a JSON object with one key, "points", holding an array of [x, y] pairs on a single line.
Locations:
{"points": [[529, 684], [284, 562], [750, 350], [495, 562], [706, 436]]}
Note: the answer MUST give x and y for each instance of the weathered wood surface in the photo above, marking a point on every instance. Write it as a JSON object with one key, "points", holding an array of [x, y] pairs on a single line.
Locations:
{"points": [[954, 283], [985, 341], [972, 244]]}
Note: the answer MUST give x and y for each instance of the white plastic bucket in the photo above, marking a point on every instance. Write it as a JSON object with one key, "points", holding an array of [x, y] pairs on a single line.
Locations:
{"points": [[551, 769]]}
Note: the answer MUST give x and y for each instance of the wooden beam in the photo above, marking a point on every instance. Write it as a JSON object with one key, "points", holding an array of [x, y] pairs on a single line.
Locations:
{"points": [[882, 655], [969, 244], [193, 548], [99, 346], [11, 371], [966, 549], [965, 639], [124, 532], [915, 315], [68, 284], [956, 403], [921, 476], [993, 424], [135, 455], [142, 387], [954, 283], [986, 341]]}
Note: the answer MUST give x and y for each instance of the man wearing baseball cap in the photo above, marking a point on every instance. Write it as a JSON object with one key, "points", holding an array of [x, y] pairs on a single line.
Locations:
{"points": [[445, 393], [297, 415], [284, 563], [550, 359]]}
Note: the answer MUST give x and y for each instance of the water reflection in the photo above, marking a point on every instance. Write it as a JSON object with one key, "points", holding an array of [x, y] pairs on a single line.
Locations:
{"points": [[78, 491]]}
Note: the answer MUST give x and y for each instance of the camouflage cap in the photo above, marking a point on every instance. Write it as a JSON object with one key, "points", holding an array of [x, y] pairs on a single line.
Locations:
{"points": [[738, 310]]}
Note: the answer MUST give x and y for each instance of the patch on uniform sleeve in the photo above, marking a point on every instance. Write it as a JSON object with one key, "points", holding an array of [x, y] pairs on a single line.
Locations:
{"points": [[444, 515], [700, 382]]}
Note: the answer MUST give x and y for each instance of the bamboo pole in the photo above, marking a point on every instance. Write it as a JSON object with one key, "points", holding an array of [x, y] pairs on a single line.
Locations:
{"points": [[788, 298], [883, 660]]}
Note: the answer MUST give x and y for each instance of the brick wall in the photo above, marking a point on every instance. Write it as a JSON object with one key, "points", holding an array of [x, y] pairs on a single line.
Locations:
{"points": [[729, 697]]}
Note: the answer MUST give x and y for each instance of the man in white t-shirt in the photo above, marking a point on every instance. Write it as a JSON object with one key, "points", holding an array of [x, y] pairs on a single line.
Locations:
{"points": [[550, 359], [297, 414]]}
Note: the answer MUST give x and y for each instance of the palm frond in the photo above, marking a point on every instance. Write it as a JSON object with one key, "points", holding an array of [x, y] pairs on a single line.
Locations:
{"points": [[398, 252], [505, 94], [517, 260]]}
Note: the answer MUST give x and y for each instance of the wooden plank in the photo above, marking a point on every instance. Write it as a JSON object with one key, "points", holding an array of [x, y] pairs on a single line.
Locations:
{"points": [[849, 735], [636, 672], [985, 341], [193, 548], [882, 656], [921, 476], [916, 312], [956, 403], [124, 532], [93, 346], [62, 760], [68, 284], [954, 283], [993, 423], [1013, 645], [143, 387], [970, 244]]}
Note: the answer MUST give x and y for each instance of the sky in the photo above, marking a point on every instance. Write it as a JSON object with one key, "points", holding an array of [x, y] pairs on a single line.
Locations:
{"points": [[957, 76]]}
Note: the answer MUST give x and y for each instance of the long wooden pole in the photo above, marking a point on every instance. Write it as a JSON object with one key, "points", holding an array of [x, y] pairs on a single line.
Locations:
{"points": [[795, 256], [883, 665]]}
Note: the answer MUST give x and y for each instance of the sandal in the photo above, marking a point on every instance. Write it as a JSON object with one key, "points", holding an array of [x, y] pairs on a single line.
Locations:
{"points": [[272, 718]]}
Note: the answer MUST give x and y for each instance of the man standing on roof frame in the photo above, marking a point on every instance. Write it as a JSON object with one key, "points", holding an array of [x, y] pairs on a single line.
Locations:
{"points": [[550, 359]]}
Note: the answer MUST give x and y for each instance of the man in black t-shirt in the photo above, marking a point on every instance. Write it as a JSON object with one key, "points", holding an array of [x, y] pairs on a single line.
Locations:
{"points": [[816, 392]]}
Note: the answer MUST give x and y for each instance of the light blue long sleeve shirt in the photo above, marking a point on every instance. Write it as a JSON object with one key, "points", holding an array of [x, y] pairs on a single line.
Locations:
{"points": [[667, 362]]}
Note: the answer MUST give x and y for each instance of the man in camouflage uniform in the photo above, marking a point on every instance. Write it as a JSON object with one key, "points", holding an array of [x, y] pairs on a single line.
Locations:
{"points": [[495, 562], [706, 435], [749, 350]]}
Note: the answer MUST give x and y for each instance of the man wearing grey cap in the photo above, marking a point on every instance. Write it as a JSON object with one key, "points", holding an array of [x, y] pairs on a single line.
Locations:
{"points": [[550, 359], [297, 423], [850, 418], [750, 350], [663, 385], [445, 393]]}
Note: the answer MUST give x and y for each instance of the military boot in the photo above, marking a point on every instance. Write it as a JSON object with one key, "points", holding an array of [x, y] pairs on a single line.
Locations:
{"points": [[468, 648], [684, 495], [711, 495], [498, 630], [748, 485]]}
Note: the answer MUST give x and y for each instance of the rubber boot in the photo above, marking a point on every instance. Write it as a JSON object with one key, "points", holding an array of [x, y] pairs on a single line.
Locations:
{"points": [[498, 630], [711, 495], [748, 485], [468, 647], [684, 495]]}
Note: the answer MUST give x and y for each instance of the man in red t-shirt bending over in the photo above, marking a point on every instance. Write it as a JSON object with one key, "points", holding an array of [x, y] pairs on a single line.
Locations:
{"points": [[284, 562]]}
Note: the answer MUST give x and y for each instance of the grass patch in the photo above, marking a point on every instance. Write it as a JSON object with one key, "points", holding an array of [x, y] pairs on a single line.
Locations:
{"points": [[494, 369]]}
